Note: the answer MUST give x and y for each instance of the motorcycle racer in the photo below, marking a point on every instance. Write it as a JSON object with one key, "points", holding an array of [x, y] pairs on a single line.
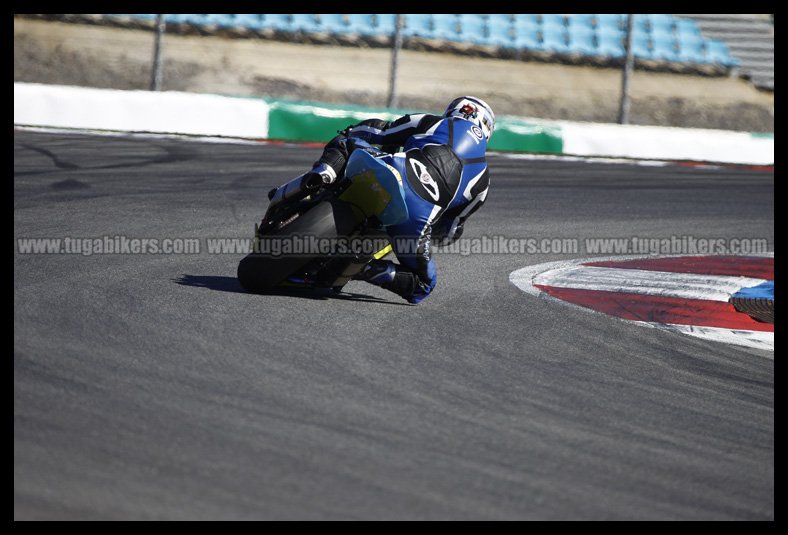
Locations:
{"points": [[444, 160]]}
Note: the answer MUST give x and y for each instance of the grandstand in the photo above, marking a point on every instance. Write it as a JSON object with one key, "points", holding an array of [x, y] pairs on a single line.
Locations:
{"points": [[724, 45], [750, 39]]}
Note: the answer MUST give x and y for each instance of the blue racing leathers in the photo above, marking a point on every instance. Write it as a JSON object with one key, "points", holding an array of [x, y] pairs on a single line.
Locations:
{"points": [[444, 161]]}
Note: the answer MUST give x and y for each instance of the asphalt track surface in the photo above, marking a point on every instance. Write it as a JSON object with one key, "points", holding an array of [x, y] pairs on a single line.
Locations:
{"points": [[150, 386]]}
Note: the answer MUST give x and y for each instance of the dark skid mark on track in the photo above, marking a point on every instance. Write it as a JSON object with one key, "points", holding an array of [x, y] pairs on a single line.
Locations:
{"points": [[60, 164], [173, 154]]}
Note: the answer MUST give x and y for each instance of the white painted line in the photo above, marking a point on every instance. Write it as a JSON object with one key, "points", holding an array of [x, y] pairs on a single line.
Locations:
{"points": [[755, 339], [662, 283]]}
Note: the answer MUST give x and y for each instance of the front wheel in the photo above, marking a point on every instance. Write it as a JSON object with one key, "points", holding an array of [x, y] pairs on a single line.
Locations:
{"points": [[260, 271]]}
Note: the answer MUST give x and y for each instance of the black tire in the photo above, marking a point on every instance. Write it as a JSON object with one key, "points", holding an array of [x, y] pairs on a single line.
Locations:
{"points": [[259, 273]]}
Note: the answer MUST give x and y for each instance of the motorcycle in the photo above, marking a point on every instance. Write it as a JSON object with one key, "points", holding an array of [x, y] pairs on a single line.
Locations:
{"points": [[315, 235]]}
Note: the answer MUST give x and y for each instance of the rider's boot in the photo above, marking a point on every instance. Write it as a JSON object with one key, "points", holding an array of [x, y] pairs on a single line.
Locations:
{"points": [[394, 278]]}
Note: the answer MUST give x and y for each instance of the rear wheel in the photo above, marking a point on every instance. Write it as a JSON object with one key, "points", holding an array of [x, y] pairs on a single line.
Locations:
{"points": [[262, 270]]}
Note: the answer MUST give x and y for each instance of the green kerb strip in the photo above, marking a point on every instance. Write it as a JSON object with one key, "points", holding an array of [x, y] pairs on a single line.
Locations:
{"points": [[312, 121], [521, 136]]}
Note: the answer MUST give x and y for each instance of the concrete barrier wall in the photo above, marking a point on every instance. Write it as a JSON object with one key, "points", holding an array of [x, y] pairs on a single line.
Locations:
{"points": [[139, 111], [260, 118]]}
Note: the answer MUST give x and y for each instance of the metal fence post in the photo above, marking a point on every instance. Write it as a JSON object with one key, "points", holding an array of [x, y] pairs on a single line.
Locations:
{"points": [[395, 62], [155, 82], [623, 112]]}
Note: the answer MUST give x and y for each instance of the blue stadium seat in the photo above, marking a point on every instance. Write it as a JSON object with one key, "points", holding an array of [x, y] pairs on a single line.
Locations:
{"points": [[641, 24], [686, 28], [610, 44], [250, 21], [499, 28], [360, 23], [581, 33], [692, 51], [664, 47], [472, 28], [661, 23], [641, 46], [580, 21], [553, 31], [691, 47], [184, 18], [385, 23], [662, 32], [501, 19], [497, 32], [505, 40], [690, 41], [527, 36], [220, 20], [303, 22], [527, 32], [554, 39], [418, 25], [467, 21], [370, 26], [609, 23], [277, 21], [522, 18], [610, 31], [445, 26], [526, 23], [205, 21], [474, 36], [143, 16], [581, 39], [552, 21], [333, 23], [717, 52], [640, 30]]}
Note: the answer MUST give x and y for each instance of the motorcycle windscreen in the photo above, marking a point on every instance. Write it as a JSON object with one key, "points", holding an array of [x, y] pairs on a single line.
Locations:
{"points": [[376, 189]]}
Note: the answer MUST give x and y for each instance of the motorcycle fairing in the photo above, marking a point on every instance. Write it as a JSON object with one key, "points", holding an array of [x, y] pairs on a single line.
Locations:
{"points": [[376, 189]]}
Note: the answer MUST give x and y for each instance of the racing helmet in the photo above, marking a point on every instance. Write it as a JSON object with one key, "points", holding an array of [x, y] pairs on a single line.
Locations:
{"points": [[474, 110]]}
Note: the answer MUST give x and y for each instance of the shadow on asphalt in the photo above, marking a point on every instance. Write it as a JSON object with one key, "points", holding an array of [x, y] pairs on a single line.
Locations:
{"points": [[231, 285]]}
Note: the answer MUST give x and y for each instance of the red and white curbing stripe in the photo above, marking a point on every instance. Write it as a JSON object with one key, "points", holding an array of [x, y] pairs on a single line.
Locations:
{"points": [[686, 294]]}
